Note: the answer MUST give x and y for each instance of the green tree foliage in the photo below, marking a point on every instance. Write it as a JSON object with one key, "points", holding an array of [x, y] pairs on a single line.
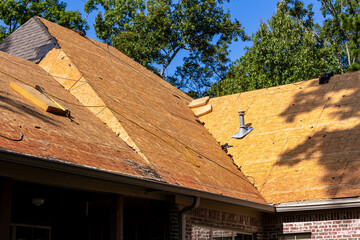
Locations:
{"points": [[14, 13], [154, 32], [285, 50], [341, 30], [291, 47]]}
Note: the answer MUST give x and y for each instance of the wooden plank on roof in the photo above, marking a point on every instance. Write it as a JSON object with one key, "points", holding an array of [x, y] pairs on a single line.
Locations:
{"points": [[199, 102], [36, 98], [201, 111]]}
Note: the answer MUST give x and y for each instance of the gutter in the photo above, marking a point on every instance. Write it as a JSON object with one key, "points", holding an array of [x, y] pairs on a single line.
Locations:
{"points": [[131, 180], [318, 205], [181, 219]]}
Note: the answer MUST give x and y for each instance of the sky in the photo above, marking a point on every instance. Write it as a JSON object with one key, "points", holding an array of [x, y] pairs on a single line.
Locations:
{"points": [[249, 13]]}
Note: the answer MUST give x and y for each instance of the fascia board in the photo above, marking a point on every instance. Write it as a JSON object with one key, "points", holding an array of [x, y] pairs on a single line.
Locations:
{"points": [[318, 205], [131, 180]]}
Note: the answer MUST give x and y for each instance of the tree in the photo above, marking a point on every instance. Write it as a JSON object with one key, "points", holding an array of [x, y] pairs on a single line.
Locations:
{"points": [[14, 13], [154, 32], [341, 30], [352, 24], [287, 49]]}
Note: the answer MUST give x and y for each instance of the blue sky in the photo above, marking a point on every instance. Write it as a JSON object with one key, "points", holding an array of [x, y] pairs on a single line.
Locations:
{"points": [[249, 13]]}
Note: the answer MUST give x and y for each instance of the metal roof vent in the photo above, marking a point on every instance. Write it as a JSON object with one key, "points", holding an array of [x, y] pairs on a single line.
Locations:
{"points": [[243, 131]]}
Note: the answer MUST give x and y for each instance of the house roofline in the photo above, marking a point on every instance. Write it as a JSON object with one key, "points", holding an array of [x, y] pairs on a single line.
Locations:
{"points": [[338, 203], [81, 170]]}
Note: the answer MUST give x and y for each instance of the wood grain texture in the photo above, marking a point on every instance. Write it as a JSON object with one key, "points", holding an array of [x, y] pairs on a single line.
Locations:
{"points": [[305, 144], [164, 122], [58, 65], [154, 114], [36, 98], [201, 111], [199, 102]]}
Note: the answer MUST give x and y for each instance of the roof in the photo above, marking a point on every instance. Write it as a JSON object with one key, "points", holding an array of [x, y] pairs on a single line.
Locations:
{"points": [[127, 120], [31, 41], [306, 139]]}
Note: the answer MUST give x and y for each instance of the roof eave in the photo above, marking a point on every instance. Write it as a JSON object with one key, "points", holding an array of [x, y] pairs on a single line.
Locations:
{"points": [[126, 179], [318, 205]]}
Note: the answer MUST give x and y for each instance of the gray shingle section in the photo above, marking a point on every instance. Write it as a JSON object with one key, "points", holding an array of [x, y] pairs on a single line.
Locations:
{"points": [[31, 41]]}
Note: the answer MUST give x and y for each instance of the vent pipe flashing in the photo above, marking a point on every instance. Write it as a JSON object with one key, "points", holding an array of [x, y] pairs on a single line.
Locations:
{"points": [[243, 131]]}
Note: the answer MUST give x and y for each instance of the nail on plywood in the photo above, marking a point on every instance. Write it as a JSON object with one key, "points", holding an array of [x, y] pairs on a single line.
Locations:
{"points": [[199, 102]]}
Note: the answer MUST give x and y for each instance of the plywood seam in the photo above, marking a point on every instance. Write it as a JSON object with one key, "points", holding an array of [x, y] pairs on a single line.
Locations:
{"points": [[153, 78], [282, 149], [342, 175], [126, 138]]}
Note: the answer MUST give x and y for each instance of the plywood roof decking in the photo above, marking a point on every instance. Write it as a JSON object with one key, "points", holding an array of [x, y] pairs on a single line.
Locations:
{"points": [[306, 139], [87, 141], [157, 119]]}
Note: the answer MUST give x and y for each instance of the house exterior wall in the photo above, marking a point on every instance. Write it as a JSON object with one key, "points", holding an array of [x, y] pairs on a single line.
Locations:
{"points": [[199, 220], [335, 224]]}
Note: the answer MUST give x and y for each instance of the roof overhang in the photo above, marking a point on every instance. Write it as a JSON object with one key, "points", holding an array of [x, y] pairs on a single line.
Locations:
{"points": [[318, 205], [81, 170]]}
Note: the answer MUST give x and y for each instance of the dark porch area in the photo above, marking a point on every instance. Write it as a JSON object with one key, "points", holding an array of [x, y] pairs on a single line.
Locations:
{"points": [[41, 212]]}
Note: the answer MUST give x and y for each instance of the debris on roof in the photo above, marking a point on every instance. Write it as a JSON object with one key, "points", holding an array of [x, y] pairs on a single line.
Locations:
{"points": [[324, 78], [199, 102], [201, 111], [37, 98], [200, 106]]}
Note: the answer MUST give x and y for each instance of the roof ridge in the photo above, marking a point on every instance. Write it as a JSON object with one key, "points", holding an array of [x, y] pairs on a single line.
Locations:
{"points": [[46, 30], [272, 87]]}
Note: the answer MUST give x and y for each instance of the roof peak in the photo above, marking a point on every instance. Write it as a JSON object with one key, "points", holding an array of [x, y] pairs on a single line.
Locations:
{"points": [[22, 42]]}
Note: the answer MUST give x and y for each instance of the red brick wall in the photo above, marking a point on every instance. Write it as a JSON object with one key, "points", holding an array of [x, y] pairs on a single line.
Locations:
{"points": [[215, 219], [343, 224]]}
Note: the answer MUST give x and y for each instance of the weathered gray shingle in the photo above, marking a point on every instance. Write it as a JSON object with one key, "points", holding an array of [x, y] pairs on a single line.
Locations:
{"points": [[31, 41]]}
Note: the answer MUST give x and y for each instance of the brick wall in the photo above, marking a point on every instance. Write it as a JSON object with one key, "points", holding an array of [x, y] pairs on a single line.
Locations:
{"points": [[343, 224], [215, 219]]}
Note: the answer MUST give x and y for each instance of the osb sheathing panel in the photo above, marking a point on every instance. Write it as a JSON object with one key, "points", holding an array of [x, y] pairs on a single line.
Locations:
{"points": [[157, 118], [62, 69], [86, 141], [306, 139]]}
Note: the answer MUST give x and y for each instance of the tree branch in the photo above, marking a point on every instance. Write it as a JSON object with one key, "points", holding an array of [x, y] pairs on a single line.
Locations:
{"points": [[333, 13], [168, 61]]}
